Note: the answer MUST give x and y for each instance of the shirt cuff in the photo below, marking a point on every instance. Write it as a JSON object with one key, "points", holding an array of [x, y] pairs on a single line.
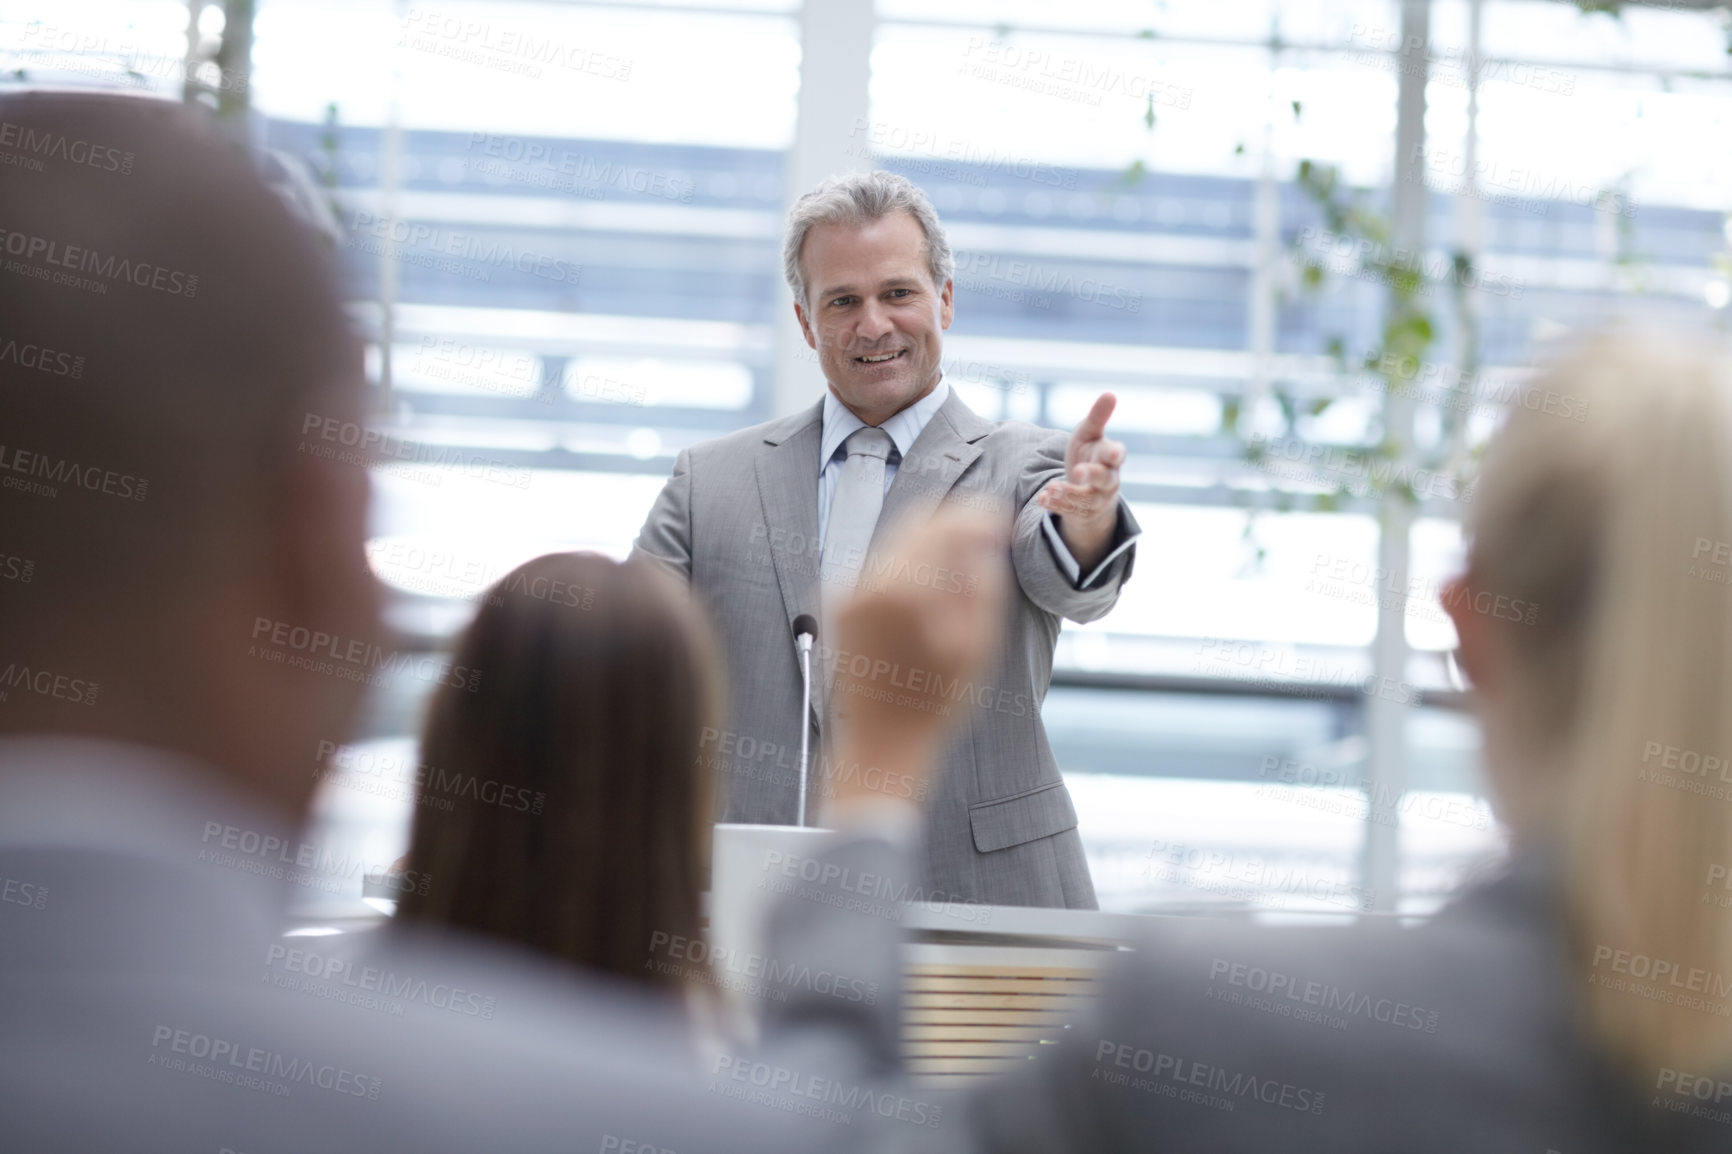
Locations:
{"points": [[897, 821], [1068, 563]]}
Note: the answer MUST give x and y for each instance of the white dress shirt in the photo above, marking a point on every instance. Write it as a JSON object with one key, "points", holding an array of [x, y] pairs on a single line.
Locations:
{"points": [[904, 428]]}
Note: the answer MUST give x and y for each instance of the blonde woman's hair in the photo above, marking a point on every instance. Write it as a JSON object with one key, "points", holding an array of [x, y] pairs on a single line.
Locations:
{"points": [[1605, 501]]}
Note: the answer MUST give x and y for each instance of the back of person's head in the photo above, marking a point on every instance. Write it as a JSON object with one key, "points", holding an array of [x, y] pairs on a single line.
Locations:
{"points": [[563, 808], [1608, 509], [166, 327]]}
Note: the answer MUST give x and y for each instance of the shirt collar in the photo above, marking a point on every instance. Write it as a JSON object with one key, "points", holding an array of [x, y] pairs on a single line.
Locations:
{"points": [[99, 808], [903, 428], [67, 792]]}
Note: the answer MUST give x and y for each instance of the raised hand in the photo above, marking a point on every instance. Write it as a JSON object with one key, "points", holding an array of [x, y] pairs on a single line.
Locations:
{"points": [[910, 643]]}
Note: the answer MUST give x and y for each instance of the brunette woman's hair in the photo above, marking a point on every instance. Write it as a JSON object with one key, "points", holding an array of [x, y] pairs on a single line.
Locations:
{"points": [[562, 806]]}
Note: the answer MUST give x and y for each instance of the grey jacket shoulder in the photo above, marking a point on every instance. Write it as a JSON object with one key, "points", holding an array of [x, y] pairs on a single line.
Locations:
{"points": [[747, 440], [969, 425], [1461, 1034]]}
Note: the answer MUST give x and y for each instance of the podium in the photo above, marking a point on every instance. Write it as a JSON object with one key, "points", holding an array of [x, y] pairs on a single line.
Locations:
{"points": [[981, 997], [984, 987]]}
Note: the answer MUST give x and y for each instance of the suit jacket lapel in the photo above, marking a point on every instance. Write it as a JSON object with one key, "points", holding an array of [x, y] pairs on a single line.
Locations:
{"points": [[788, 493], [942, 452]]}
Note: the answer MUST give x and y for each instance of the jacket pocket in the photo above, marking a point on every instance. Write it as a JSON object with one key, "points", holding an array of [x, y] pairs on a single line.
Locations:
{"points": [[1009, 821]]}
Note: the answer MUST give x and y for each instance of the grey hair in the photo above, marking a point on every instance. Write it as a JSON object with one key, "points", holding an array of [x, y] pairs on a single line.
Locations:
{"points": [[858, 198]]}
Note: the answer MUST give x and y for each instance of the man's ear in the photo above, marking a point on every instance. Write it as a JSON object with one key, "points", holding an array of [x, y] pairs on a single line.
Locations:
{"points": [[321, 542], [947, 304], [805, 326], [1470, 628]]}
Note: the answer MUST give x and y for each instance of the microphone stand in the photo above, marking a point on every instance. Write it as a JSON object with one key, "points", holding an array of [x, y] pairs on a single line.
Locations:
{"points": [[804, 642]]}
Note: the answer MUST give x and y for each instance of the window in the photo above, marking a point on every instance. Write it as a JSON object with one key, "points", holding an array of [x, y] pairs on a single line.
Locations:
{"points": [[560, 224]]}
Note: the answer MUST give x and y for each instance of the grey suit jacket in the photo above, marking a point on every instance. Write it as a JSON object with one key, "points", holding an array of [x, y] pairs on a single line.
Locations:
{"points": [[739, 521], [1461, 1034], [148, 1003]]}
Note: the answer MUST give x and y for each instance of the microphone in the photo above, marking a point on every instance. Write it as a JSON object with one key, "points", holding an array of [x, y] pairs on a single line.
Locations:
{"points": [[805, 632]]}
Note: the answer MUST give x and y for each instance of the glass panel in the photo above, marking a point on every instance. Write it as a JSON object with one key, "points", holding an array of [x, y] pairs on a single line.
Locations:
{"points": [[432, 365], [577, 221], [652, 381]]}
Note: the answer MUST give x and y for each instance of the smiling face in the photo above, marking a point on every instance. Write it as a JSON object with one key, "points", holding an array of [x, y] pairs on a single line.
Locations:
{"points": [[873, 314]]}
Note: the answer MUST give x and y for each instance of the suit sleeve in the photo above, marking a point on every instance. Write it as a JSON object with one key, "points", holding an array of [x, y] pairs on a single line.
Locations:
{"points": [[1043, 571], [666, 536]]}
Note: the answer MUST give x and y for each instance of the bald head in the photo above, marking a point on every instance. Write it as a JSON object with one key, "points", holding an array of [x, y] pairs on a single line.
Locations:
{"points": [[166, 327], [190, 321]]}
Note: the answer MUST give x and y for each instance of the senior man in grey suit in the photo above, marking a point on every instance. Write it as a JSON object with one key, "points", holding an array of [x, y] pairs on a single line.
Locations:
{"points": [[784, 518]]}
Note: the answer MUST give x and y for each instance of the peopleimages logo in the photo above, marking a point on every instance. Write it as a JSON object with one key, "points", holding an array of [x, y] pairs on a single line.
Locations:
{"points": [[1699, 1086], [528, 161], [976, 269], [1520, 182], [1217, 871], [1060, 74], [41, 358], [1718, 875], [812, 1095], [1444, 385], [1346, 255], [504, 47], [116, 59], [47, 683], [88, 260], [1662, 980], [1323, 997], [229, 1062], [401, 238], [1355, 469], [924, 142], [299, 863], [758, 974], [351, 443], [1217, 1086], [308, 971], [56, 146], [371, 772], [23, 893], [354, 658], [45, 472], [1333, 789]]}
